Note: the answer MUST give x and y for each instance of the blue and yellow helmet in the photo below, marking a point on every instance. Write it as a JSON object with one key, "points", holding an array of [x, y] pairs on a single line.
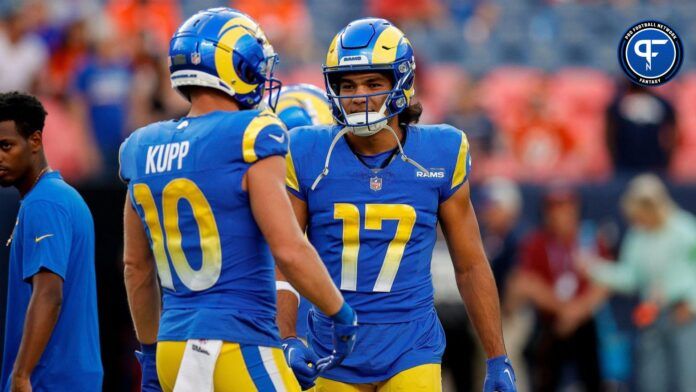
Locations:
{"points": [[224, 49], [303, 104], [375, 45]]}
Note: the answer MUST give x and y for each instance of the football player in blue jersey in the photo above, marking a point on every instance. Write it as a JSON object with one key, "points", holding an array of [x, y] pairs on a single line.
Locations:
{"points": [[52, 327], [370, 192], [207, 210]]}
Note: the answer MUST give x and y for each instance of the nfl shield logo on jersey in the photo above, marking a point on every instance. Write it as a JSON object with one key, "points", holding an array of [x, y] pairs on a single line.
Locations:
{"points": [[375, 183]]}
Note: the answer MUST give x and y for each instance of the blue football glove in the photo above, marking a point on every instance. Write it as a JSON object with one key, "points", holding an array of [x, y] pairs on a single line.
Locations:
{"points": [[147, 358], [345, 327], [500, 376], [302, 360]]}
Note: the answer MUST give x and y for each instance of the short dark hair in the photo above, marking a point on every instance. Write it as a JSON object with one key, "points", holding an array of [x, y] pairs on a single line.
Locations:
{"points": [[411, 114], [25, 110]]}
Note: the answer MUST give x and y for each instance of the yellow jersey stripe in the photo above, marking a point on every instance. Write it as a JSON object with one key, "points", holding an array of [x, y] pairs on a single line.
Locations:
{"points": [[252, 132], [460, 167], [290, 173]]}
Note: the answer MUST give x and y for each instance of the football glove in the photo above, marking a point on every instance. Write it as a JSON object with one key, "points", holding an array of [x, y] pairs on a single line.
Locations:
{"points": [[345, 328], [147, 357], [500, 377], [302, 360]]}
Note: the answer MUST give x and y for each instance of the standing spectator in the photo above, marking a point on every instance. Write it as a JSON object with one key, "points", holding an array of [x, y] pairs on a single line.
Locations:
{"points": [[563, 298], [501, 209], [103, 90], [658, 260], [500, 229], [24, 54], [641, 132]]}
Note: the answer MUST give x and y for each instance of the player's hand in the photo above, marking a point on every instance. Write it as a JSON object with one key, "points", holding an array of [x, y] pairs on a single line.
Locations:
{"points": [[345, 328], [147, 358], [302, 361], [500, 376], [20, 384]]}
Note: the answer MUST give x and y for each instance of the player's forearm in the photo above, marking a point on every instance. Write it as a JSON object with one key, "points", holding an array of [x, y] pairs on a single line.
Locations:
{"points": [[144, 301], [42, 315], [301, 265], [287, 314], [479, 293]]}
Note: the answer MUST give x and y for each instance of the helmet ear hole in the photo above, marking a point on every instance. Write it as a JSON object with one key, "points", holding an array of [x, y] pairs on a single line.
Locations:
{"points": [[247, 73]]}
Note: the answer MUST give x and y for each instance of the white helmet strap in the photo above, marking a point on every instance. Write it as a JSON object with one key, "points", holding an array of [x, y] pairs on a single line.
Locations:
{"points": [[345, 130]]}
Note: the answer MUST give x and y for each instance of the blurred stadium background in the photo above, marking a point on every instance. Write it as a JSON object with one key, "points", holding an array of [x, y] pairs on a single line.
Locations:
{"points": [[535, 84]]}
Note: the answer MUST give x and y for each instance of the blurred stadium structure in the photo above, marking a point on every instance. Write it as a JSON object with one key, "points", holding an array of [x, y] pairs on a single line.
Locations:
{"points": [[535, 84]]}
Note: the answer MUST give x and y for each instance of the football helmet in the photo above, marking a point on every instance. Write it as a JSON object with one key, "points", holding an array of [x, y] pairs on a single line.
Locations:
{"points": [[375, 45], [224, 49], [303, 104]]}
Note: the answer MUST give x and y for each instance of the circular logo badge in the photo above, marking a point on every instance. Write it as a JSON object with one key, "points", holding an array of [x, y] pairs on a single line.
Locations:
{"points": [[650, 53]]}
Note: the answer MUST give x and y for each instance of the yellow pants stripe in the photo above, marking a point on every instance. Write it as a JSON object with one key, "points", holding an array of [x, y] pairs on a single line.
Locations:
{"points": [[233, 370]]}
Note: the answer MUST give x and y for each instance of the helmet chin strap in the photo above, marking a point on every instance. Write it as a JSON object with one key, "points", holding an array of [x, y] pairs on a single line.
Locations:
{"points": [[325, 171], [403, 154], [345, 130]]}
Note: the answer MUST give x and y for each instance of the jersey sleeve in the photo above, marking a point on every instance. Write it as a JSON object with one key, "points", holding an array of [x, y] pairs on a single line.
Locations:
{"points": [[125, 162], [300, 147], [292, 182], [263, 137], [460, 167], [46, 238]]}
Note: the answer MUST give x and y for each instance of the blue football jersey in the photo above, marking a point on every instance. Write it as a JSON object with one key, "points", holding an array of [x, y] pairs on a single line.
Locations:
{"points": [[375, 229], [215, 267]]}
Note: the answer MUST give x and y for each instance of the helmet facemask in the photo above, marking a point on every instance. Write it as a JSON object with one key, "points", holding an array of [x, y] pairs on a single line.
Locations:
{"points": [[367, 123]]}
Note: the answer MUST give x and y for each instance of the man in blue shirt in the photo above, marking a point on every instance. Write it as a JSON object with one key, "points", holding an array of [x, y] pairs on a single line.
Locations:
{"points": [[52, 329]]}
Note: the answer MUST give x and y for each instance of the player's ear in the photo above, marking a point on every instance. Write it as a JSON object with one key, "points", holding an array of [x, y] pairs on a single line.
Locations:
{"points": [[35, 141]]}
